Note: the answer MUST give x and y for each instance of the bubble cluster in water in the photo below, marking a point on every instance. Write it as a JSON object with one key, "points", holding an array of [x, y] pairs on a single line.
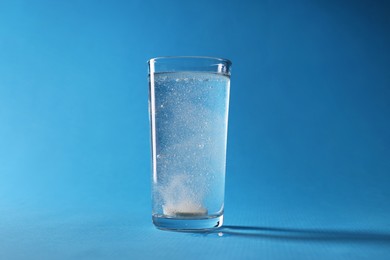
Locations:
{"points": [[191, 122]]}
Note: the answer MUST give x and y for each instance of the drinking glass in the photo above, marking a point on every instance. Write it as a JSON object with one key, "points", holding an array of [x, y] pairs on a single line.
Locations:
{"points": [[188, 105]]}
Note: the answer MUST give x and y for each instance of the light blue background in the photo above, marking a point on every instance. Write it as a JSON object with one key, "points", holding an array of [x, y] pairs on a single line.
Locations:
{"points": [[308, 169]]}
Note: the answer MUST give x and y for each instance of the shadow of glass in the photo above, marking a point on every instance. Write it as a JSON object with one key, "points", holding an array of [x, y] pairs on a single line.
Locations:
{"points": [[304, 235]]}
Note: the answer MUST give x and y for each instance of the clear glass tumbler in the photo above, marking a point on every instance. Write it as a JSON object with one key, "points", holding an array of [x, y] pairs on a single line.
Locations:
{"points": [[189, 103]]}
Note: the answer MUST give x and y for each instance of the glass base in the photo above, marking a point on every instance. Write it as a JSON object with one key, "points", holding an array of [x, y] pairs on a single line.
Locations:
{"points": [[188, 224]]}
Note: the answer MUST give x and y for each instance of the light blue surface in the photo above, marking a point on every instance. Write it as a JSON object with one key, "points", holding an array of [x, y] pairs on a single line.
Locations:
{"points": [[308, 168]]}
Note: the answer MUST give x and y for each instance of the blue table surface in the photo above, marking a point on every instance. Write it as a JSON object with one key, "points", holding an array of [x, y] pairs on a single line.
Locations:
{"points": [[71, 233], [308, 162]]}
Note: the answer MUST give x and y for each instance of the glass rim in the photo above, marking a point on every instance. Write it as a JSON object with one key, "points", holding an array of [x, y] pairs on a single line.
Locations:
{"points": [[227, 61]]}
